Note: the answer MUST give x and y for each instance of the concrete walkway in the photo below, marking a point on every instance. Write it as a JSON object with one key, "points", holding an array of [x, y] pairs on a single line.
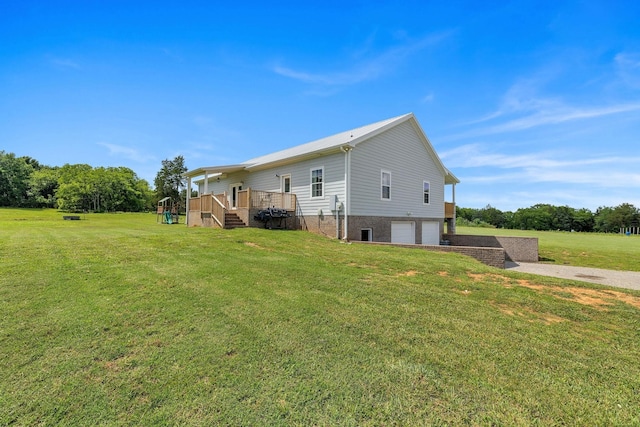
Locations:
{"points": [[619, 279]]}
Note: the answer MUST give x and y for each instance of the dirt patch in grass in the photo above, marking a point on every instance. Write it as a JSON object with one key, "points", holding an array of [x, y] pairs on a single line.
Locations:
{"points": [[592, 297], [490, 277], [409, 273], [443, 273], [253, 245], [598, 298], [529, 314]]}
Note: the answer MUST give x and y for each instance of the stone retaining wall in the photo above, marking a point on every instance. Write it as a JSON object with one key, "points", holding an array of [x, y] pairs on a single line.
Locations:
{"points": [[517, 249], [494, 257]]}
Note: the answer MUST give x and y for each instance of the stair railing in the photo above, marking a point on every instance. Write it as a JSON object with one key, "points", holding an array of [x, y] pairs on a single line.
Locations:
{"points": [[218, 210]]}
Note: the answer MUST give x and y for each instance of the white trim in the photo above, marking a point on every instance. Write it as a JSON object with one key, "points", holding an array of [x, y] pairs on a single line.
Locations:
{"points": [[429, 192], [237, 186], [382, 185], [282, 179], [311, 183], [370, 230]]}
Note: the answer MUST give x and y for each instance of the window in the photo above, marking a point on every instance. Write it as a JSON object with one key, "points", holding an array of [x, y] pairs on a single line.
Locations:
{"points": [[425, 192], [366, 235], [317, 182], [386, 185]]}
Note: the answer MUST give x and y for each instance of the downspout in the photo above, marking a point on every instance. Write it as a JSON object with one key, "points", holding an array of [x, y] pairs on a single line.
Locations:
{"points": [[347, 188]]}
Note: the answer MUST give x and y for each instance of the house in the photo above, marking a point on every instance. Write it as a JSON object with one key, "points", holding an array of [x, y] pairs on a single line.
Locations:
{"points": [[381, 182]]}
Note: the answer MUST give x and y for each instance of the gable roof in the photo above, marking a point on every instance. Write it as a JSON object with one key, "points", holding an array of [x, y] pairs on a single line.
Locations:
{"points": [[327, 145]]}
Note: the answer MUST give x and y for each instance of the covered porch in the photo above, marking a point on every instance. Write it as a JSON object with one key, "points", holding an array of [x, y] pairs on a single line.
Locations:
{"points": [[450, 207]]}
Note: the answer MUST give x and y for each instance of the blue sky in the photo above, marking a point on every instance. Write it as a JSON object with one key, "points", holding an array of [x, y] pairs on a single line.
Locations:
{"points": [[526, 102]]}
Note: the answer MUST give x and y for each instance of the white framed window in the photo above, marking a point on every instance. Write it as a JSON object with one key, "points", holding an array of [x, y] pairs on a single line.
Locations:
{"points": [[317, 182], [285, 183], [426, 187], [385, 187]]}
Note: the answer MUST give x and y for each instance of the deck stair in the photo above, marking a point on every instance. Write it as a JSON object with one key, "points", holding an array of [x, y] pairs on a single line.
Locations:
{"points": [[232, 220]]}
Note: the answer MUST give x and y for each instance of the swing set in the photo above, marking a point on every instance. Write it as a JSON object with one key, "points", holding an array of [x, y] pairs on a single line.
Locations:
{"points": [[167, 211]]}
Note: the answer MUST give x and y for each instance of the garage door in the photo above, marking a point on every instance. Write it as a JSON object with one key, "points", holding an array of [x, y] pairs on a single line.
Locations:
{"points": [[430, 233], [403, 232]]}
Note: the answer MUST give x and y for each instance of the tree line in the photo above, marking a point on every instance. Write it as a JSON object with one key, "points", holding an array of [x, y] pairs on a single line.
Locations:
{"points": [[24, 182], [545, 217]]}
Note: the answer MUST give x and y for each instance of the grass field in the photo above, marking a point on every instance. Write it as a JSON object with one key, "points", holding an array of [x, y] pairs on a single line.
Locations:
{"points": [[610, 251], [117, 320]]}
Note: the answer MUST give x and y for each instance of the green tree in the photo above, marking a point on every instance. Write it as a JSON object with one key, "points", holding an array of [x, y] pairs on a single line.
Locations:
{"points": [[43, 185], [492, 216], [169, 180], [120, 189], [75, 190], [14, 178], [561, 218], [624, 215], [101, 189], [583, 220], [537, 217]]}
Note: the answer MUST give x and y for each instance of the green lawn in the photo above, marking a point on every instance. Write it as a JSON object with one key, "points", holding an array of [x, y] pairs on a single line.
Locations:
{"points": [[610, 251], [118, 320]]}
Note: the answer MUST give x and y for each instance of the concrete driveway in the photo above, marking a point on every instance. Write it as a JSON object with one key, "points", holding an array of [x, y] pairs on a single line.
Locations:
{"points": [[619, 279]]}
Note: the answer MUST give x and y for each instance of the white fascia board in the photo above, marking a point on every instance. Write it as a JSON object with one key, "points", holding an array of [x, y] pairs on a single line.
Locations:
{"points": [[212, 170]]}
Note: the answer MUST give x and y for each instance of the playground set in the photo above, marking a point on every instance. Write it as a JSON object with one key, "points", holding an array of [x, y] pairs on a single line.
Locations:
{"points": [[168, 211]]}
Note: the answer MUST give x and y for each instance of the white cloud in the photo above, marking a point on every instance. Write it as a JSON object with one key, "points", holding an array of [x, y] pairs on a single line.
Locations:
{"points": [[127, 152], [541, 173], [63, 63], [603, 178], [522, 108], [561, 114], [472, 155], [550, 114], [628, 65], [363, 70], [428, 98]]}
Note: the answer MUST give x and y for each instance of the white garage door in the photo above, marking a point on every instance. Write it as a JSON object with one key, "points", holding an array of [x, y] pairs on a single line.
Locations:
{"points": [[430, 233], [403, 232]]}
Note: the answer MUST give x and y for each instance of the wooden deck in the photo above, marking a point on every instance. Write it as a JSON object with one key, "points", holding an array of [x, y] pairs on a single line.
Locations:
{"points": [[211, 209]]}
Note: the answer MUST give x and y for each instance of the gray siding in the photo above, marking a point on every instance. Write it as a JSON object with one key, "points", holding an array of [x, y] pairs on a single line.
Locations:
{"points": [[266, 180], [400, 151]]}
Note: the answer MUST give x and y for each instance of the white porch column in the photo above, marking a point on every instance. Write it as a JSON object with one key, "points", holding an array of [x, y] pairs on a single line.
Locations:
{"points": [[188, 199], [453, 196], [206, 183]]}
